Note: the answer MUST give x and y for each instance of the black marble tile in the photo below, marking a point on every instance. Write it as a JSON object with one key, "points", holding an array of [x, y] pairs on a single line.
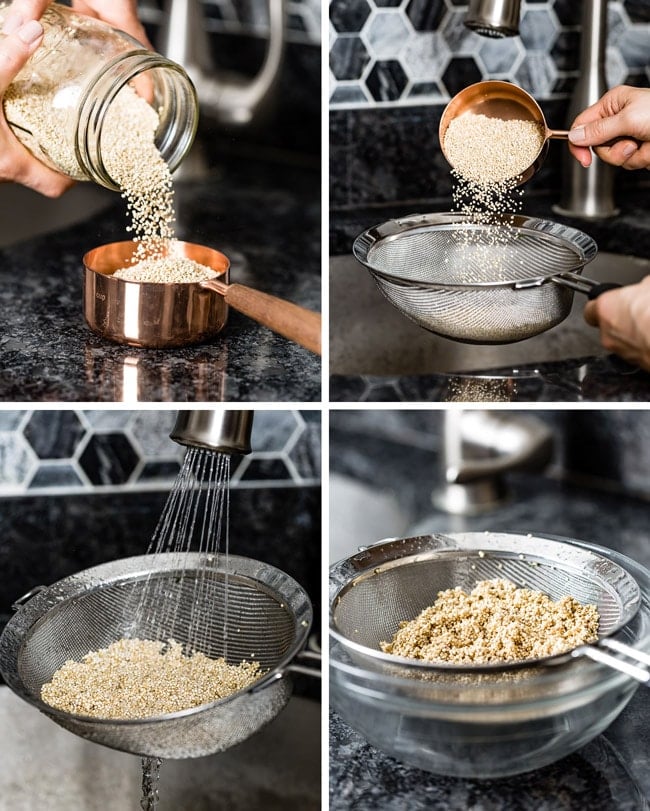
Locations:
{"points": [[387, 80], [348, 58], [637, 10], [425, 15], [108, 459], [566, 52], [54, 434], [567, 11], [348, 17], [55, 475], [266, 470], [460, 72]]}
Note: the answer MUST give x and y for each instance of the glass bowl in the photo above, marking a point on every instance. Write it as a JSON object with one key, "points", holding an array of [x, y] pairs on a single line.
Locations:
{"points": [[492, 723]]}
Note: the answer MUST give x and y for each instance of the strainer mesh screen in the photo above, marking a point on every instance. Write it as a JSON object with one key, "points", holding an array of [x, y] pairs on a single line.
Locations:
{"points": [[259, 625], [472, 255], [371, 611]]}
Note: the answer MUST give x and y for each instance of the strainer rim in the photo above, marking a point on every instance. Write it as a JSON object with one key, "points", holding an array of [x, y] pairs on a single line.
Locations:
{"points": [[445, 220], [339, 589]]}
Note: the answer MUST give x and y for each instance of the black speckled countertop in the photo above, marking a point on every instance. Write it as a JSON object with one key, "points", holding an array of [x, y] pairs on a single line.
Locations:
{"points": [[583, 378], [612, 773], [265, 216]]}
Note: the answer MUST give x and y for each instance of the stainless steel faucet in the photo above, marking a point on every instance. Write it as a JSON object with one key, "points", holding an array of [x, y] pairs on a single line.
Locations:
{"points": [[221, 430], [494, 18], [231, 99], [478, 448], [587, 193]]}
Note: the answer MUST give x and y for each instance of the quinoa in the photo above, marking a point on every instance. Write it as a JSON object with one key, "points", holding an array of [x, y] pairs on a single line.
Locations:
{"points": [[137, 678], [166, 270], [488, 155], [495, 622], [128, 151], [492, 150]]}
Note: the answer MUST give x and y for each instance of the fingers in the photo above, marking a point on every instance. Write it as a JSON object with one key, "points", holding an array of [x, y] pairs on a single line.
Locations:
{"points": [[20, 11], [582, 154], [623, 318], [16, 49], [122, 15], [595, 133]]}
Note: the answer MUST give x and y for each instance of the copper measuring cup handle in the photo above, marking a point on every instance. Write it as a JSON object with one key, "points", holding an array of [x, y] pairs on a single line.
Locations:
{"points": [[563, 134], [296, 323]]}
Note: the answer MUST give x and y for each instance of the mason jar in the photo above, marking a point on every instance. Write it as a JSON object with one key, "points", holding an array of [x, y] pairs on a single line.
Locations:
{"points": [[57, 105]]}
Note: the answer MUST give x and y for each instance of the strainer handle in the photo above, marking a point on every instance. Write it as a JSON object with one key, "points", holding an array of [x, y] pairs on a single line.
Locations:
{"points": [[20, 602], [588, 287], [597, 653], [295, 667], [306, 656]]}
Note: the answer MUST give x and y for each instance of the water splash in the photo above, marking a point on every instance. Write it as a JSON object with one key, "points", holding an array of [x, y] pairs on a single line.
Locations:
{"points": [[150, 781]]}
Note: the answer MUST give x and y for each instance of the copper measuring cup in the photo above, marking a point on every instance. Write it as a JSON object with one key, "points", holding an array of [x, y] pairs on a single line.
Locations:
{"points": [[503, 100], [171, 315]]}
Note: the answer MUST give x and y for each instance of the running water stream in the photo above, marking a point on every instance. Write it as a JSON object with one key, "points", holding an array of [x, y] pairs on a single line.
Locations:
{"points": [[150, 780], [195, 518]]}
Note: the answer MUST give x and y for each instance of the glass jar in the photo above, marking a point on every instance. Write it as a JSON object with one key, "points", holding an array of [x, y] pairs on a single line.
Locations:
{"points": [[57, 105]]}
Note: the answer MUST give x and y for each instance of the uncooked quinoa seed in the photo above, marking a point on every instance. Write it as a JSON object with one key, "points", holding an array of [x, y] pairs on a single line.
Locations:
{"points": [[495, 622], [492, 150], [166, 270], [136, 678]]}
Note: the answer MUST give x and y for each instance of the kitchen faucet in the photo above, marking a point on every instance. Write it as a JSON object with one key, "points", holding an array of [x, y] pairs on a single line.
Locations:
{"points": [[232, 99], [587, 193], [221, 430], [478, 448]]}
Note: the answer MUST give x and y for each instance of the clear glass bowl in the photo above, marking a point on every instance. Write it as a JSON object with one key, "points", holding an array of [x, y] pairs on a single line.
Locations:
{"points": [[488, 724]]}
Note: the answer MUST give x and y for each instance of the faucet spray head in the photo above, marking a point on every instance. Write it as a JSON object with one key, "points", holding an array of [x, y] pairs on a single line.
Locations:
{"points": [[220, 430], [494, 18]]}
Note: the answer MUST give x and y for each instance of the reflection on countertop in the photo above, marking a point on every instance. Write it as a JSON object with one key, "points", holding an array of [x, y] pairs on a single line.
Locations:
{"points": [[262, 215]]}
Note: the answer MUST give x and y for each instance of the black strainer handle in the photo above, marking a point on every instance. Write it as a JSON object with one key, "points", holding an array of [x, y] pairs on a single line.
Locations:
{"points": [[581, 284], [598, 289]]}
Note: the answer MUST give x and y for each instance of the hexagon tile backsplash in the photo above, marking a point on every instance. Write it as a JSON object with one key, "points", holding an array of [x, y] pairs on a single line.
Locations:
{"points": [[74, 451], [408, 52]]}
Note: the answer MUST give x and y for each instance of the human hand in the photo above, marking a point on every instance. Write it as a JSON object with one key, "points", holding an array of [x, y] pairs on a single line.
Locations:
{"points": [[623, 317], [121, 14], [16, 162], [617, 126]]}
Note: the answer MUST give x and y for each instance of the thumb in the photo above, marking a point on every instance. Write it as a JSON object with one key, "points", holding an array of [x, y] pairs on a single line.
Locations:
{"points": [[595, 133], [15, 50]]}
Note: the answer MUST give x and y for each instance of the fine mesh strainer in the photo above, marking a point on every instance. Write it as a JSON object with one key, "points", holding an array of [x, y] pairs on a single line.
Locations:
{"points": [[379, 587], [269, 617], [479, 283]]}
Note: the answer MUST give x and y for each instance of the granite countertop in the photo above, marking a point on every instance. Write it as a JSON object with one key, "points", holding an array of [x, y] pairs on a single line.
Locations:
{"points": [[265, 216], [584, 376], [612, 773]]}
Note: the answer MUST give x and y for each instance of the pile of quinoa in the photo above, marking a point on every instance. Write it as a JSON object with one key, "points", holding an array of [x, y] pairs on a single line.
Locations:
{"points": [[166, 270], [137, 678], [492, 150], [495, 622]]}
